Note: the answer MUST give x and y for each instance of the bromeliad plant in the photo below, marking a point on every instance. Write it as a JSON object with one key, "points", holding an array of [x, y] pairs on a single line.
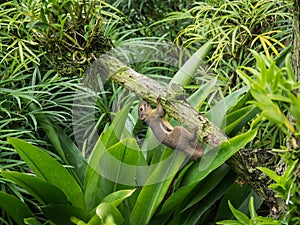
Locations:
{"points": [[67, 35], [275, 92], [98, 197], [86, 193]]}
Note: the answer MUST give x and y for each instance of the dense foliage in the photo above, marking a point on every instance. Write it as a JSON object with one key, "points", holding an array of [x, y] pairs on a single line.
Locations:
{"points": [[79, 134]]}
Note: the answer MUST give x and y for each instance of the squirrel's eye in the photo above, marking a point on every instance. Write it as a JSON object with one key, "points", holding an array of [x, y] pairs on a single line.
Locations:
{"points": [[141, 108]]}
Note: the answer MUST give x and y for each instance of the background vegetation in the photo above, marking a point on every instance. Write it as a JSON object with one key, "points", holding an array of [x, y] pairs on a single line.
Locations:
{"points": [[49, 176]]}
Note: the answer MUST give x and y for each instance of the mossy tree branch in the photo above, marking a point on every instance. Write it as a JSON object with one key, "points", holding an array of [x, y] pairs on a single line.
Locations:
{"points": [[149, 89]]}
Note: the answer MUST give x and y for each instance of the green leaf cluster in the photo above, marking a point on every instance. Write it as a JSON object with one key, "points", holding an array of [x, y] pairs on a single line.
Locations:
{"points": [[61, 198], [63, 201], [274, 91], [234, 26]]}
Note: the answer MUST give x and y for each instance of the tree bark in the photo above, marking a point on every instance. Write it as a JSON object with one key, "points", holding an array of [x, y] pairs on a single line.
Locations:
{"points": [[173, 103], [296, 56], [296, 39]]}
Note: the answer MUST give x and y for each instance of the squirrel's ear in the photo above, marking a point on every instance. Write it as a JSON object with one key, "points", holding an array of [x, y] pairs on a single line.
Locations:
{"points": [[145, 102]]}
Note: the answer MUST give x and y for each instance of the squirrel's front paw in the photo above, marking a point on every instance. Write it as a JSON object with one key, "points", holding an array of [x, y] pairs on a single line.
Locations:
{"points": [[158, 99]]}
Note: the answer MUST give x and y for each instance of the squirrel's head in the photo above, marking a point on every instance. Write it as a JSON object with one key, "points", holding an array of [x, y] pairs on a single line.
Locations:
{"points": [[144, 110]]}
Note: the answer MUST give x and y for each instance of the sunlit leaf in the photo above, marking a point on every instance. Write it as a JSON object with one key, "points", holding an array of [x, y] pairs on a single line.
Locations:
{"points": [[155, 189], [241, 217], [105, 210], [117, 197]]}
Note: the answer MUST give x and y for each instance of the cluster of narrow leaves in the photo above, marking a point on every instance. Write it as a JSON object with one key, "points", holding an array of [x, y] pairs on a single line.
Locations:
{"points": [[275, 91], [286, 187], [236, 25]]}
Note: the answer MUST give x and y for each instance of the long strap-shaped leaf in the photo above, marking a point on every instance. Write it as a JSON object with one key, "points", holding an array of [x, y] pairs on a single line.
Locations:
{"points": [[156, 188], [47, 168]]}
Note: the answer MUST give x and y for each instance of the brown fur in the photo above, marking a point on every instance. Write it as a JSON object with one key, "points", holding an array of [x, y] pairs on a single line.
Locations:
{"points": [[177, 137]]}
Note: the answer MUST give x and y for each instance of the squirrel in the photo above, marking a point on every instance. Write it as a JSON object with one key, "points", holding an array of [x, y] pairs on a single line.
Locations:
{"points": [[177, 137]]}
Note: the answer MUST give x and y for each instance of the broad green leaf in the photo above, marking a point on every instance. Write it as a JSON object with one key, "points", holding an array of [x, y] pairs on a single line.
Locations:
{"points": [[274, 114], [279, 97], [126, 151], [197, 99], [217, 156], [241, 217], [209, 162], [240, 114], [117, 197], [237, 119], [95, 220], [295, 106], [96, 186], [289, 69], [77, 221], [48, 128], [48, 169], [217, 114], [262, 62], [240, 201], [64, 146], [209, 183], [152, 149], [61, 214], [187, 71], [121, 161], [44, 192], [247, 79], [280, 59], [73, 155], [265, 221], [193, 214], [288, 174], [155, 189], [105, 210], [98, 150], [15, 208], [115, 131], [261, 99], [175, 199]]}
